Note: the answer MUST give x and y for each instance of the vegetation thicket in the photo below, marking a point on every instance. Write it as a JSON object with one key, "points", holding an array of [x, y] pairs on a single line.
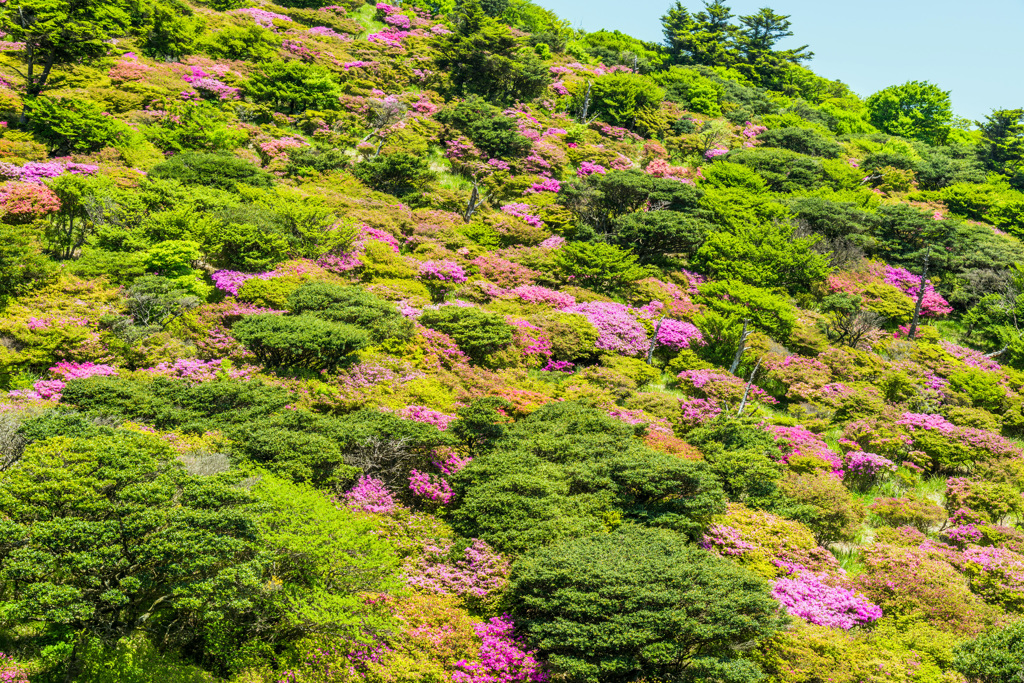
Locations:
{"points": [[443, 342]]}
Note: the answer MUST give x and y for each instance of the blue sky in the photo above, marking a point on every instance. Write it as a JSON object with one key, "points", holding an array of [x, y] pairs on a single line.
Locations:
{"points": [[975, 50]]}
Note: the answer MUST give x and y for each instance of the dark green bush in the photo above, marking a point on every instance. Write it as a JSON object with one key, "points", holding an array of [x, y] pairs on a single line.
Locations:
{"points": [[299, 342], [494, 133], [397, 174], [783, 170], [68, 124], [221, 171], [802, 141], [351, 305], [294, 86], [478, 333], [175, 404], [640, 604], [654, 234], [568, 470]]}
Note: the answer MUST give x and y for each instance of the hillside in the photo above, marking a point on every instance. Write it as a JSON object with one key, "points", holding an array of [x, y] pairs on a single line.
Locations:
{"points": [[447, 343]]}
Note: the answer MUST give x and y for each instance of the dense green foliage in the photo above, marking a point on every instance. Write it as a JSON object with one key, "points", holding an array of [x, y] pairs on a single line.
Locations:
{"points": [[445, 342]]}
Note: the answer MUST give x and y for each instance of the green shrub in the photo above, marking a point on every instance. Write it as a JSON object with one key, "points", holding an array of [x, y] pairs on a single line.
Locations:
{"points": [[477, 332], [995, 656], [783, 170], [494, 133], [825, 506], [353, 306], [651, 606], [598, 266], [174, 404], [250, 43], [300, 342], [801, 140], [572, 336], [398, 173], [567, 470], [69, 124], [923, 515], [221, 171], [270, 293], [293, 86], [655, 234], [195, 126]]}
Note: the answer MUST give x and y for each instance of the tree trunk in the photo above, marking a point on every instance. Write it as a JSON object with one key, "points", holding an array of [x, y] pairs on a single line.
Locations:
{"points": [[654, 341], [739, 349], [920, 296]]}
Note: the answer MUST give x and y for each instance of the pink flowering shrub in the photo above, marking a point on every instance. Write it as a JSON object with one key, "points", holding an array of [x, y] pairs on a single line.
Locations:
{"points": [[262, 17], [553, 242], [863, 470], [504, 273], [588, 168], [11, 671], [798, 442], [807, 596], [50, 389], [537, 294], [196, 370], [696, 411], [22, 202], [370, 495], [522, 212], [426, 486], [501, 659], [714, 153], [933, 304], [37, 171], [480, 573], [769, 545], [548, 185], [618, 329], [677, 334], [719, 386], [427, 416], [441, 271]]}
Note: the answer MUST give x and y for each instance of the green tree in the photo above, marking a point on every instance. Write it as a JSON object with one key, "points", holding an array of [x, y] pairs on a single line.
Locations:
{"points": [[568, 470], [167, 28], [995, 656], [59, 34], [707, 39], [82, 201], [676, 25], [107, 535], [294, 86], [641, 604], [916, 109], [331, 563], [478, 333], [222, 171], [298, 342], [1002, 144], [399, 173], [756, 40], [353, 306], [598, 266], [483, 57], [651, 235], [70, 124], [619, 98]]}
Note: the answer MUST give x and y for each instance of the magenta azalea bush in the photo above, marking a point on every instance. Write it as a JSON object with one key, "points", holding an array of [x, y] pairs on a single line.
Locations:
{"points": [[810, 598]]}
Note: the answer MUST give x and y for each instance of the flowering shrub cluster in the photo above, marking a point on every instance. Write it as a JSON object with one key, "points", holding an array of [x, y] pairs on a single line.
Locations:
{"points": [[479, 573], [501, 658], [370, 495], [619, 329], [808, 597], [932, 305]]}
